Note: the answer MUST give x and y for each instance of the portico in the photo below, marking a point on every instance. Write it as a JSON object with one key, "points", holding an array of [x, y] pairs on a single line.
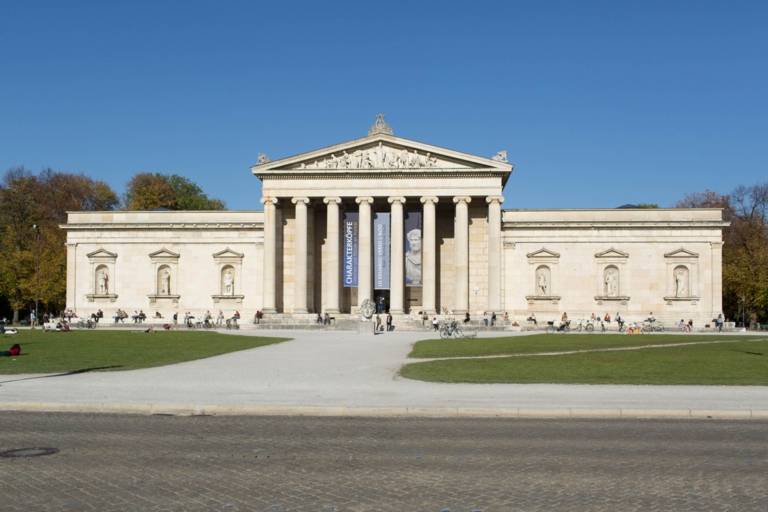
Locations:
{"points": [[443, 191]]}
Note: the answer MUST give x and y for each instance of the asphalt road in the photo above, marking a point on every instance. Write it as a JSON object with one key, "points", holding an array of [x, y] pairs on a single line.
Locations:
{"points": [[281, 464]]}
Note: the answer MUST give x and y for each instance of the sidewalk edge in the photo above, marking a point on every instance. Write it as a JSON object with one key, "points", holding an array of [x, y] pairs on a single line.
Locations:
{"points": [[378, 412]]}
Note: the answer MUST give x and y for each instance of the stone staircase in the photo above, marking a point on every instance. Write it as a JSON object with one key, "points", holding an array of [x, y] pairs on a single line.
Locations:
{"points": [[353, 322], [340, 322]]}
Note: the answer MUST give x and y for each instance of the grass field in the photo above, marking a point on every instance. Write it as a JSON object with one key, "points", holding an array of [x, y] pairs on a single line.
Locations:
{"points": [[57, 352], [740, 363], [546, 343]]}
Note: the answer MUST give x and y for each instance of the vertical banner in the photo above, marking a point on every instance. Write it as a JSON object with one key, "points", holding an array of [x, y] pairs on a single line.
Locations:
{"points": [[350, 244], [413, 248], [381, 250]]}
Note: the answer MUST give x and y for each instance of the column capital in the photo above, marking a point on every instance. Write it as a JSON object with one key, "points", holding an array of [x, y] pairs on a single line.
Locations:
{"points": [[360, 200], [329, 200], [396, 199], [491, 199], [268, 200], [429, 199], [302, 200], [462, 199]]}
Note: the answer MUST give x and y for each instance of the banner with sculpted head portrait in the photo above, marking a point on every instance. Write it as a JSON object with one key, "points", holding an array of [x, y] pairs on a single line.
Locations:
{"points": [[413, 249]]}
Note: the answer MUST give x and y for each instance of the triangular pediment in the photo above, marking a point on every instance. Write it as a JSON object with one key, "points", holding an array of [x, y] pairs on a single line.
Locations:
{"points": [[101, 253], [543, 253], [163, 253], [227, 253], [681, 253], [612, 253], [381, 152]]}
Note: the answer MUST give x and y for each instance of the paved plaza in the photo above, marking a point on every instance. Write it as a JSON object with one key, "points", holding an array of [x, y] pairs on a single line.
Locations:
{"points": [[281, 464], [348, 373]]}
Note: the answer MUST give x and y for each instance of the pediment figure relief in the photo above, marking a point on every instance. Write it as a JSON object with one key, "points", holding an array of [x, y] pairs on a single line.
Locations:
{"points": [[543, 253], [380, 156], [681, 253], [612, 253], [227, 253], [164, 253], [101, 253]]}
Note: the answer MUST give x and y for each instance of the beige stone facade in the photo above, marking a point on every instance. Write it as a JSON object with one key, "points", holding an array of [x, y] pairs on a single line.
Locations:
{"points": [[474, 256]]}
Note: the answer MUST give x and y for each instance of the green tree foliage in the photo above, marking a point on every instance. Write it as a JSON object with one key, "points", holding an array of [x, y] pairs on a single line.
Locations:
{"points": [[152, 191], [745, 251], [33, 263]]}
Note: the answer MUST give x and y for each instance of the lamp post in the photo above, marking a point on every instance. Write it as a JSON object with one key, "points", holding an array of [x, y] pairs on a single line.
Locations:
{"points": [[36, 229]]}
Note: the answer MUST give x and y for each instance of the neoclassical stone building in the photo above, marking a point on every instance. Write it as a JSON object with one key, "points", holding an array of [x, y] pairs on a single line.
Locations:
{"points": [[409, 225]]}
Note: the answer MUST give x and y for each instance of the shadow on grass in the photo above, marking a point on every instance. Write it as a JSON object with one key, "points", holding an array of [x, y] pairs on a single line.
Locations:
{"points": [[64, 374]]}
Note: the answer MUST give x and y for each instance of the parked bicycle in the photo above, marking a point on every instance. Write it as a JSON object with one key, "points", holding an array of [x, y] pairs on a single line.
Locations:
{"points": [[452, 329]]}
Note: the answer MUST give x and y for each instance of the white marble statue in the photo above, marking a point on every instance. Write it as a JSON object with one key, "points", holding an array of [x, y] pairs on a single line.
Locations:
{"points": [[542, 281], [165, 282], [102, 281], [229, 282], [611, 282]]}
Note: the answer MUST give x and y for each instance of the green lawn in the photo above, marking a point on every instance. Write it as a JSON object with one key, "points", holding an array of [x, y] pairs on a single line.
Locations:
{"points": [[55, 352], [545, 343], [741, 363]]}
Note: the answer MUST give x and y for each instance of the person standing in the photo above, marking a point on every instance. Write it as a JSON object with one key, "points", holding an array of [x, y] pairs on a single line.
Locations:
{"points": [[389, 322], [378, 323]]}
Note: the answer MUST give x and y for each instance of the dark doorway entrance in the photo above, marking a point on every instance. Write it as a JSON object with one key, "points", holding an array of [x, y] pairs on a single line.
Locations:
{"points": [[381, 299]]}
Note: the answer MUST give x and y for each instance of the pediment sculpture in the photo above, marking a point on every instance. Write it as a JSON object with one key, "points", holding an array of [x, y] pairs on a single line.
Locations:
{"points": [[377, 157]]}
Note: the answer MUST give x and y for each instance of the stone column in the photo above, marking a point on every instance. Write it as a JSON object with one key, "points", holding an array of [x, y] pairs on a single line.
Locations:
{"points": [[72, 276], [461, 254], [494, 252], [429, 256], [269, 300], [717, 278], [397, 257], [300, 272], [333, 239], [365, 252]]}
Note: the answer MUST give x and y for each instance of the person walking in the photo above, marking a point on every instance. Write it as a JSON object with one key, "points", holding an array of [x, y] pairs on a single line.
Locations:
{"points": [[378, 323], [389, 322]]}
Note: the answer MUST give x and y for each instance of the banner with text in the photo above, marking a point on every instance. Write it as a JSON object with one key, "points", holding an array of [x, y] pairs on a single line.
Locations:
{"points": [[413, 248], [381, 251], [350, 244]]}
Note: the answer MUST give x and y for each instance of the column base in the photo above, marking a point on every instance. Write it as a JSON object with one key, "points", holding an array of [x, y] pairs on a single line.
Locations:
{"points": [[269, 310], [396, 312], [460, 311], [332, 311], [430, 311], [301, 311]]}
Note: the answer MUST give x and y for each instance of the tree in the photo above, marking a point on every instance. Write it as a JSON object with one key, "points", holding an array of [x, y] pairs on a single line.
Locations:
{"points": [[152, 191], [639, 205], [33, 266], [147, 191], [745, 249]]}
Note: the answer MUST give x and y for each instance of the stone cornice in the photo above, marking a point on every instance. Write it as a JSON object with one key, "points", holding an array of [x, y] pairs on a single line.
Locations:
{"points": [[335, 174], [626, 224], [107, 226]]}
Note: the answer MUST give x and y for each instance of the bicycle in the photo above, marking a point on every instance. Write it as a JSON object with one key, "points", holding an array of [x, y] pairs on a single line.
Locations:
{"points": [[651, 326], [452, 329]]}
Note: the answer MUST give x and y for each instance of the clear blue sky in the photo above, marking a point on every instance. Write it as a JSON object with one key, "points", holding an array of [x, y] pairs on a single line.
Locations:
{"points": [[598, 103]]}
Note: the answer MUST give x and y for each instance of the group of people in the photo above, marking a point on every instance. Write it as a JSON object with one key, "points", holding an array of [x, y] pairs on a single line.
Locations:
{"points": [[378, 327], [324, 319]]}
